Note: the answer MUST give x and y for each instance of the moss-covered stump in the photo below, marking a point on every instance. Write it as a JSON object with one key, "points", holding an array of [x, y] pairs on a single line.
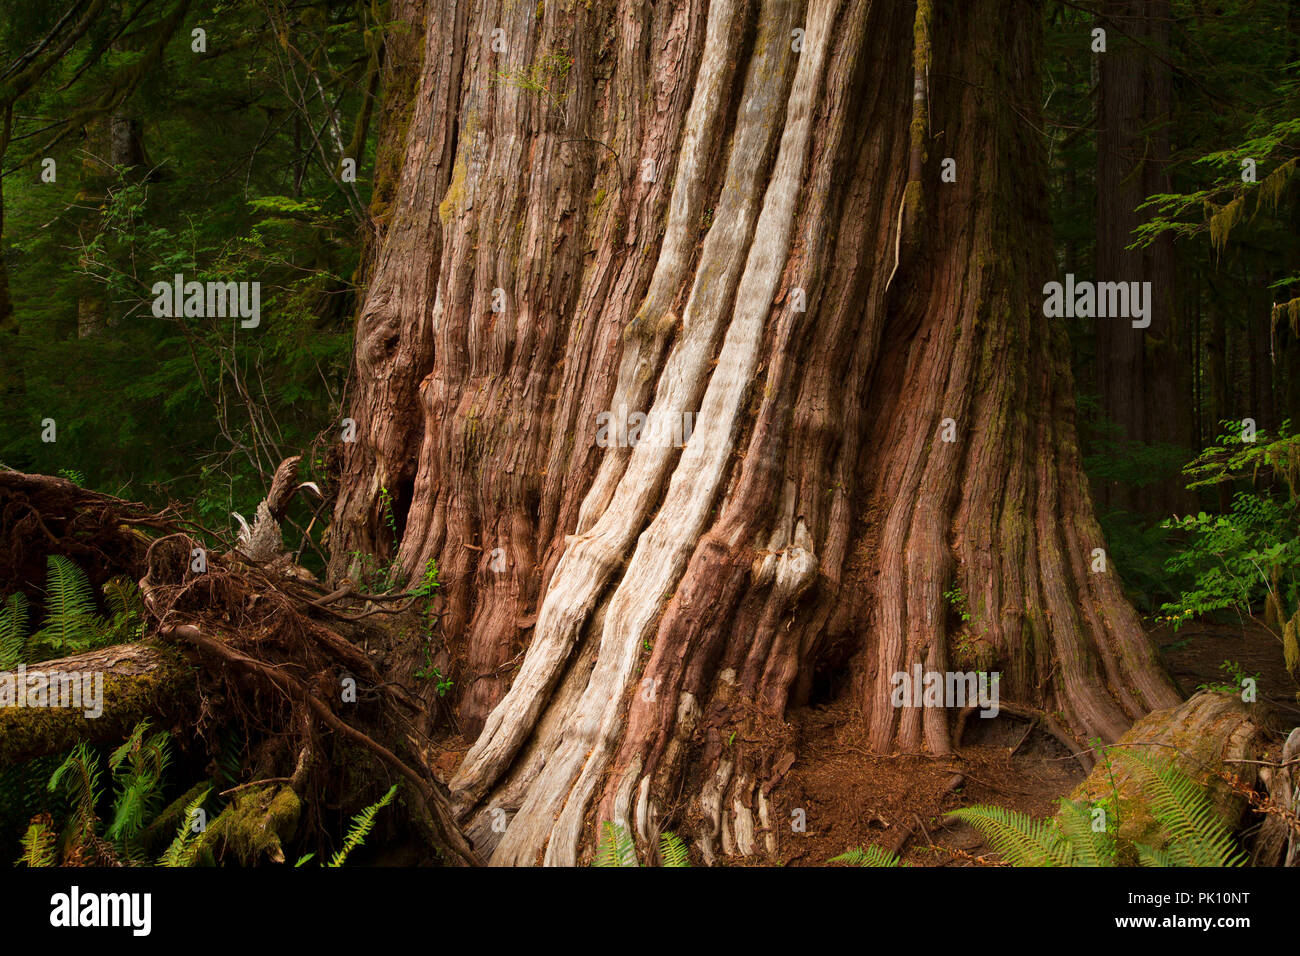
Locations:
{"points": [[1204, 736], [138, 681], [254, 827]]}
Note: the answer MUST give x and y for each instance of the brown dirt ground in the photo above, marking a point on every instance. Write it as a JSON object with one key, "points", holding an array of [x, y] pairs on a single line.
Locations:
{"points": [[854, 798], [851, 797]]}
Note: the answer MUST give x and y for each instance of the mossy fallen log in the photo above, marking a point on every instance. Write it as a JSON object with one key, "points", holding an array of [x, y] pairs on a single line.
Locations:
{"points": [[1207, 736], [97, 696]]}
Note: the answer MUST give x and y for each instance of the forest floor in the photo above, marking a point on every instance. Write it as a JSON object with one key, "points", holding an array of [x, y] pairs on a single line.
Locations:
{"points": [[851, 797]]}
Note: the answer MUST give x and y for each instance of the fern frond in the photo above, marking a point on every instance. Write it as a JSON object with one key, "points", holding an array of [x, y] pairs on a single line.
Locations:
{"points": [[78, 778], [1150, 856], [13, 630], [362, 824], [1197, 837], [138, 767], [39, 843], [615, 847], [126, 608], [1021, 839], [181, 851], [867, 856], [672, 850], [1091, 848], [71, 623]]}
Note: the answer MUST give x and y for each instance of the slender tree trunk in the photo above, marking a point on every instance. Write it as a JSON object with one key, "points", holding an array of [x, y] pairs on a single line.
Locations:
{"points": [[1141, 374], [9, 364], [728, 215]]}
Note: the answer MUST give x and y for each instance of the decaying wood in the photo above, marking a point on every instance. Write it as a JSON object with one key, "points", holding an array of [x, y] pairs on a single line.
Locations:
{"points": [[457, 849], [1206, 736], [1278, 842], [139, 681]]}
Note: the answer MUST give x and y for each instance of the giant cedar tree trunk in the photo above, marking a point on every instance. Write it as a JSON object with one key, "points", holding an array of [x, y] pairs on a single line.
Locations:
{"points": [[657, 188]]}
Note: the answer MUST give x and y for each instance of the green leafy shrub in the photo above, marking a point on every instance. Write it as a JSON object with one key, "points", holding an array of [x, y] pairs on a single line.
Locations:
{"points": [[1248, 560]]}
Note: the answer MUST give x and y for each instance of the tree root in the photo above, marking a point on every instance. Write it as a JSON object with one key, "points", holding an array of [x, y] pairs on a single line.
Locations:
{"points": [[251, 630]]}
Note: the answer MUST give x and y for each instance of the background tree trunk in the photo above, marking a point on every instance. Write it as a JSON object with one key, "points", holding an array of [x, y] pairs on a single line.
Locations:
{"points": [[1142, 381], [694, 210]]}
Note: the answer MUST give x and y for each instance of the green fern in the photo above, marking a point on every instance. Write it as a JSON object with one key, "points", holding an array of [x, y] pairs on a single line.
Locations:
{"points": [[1091, 847], [13, 630], [78, 779], [38, 843], [672, 850], [183, 849], [138, 767], [362, 824], [71, 624], [126, 610], [1197, 837], [615, 847], [867, 856], [1023, 840]]}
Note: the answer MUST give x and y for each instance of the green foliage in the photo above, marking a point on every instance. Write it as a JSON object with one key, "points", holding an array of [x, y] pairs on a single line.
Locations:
{"points": [[430, 671], [184, 848], [1197, 837], [1248, 558], [672, 850], [13, 630], [428, 581], [126, 620], [386, 508], [240, 182], [78, 779], [1236, 675], [1194, 834], [956, 599], [867, 856], [137, 766], [40, 844], [72, 623], [615, 847], [1090, 846], [362, 824], [1018, 837]]}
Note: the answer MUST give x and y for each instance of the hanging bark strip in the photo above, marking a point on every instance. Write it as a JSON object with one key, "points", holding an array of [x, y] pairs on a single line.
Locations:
{"points": [[727, 213]]}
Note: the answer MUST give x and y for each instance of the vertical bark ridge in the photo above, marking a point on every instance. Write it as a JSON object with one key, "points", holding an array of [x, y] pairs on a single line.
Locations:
{"points": [[590, 559]]}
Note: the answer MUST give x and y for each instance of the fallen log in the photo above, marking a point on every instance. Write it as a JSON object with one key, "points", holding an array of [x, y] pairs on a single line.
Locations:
{"points": [[1210, 737], [116, 686]]}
